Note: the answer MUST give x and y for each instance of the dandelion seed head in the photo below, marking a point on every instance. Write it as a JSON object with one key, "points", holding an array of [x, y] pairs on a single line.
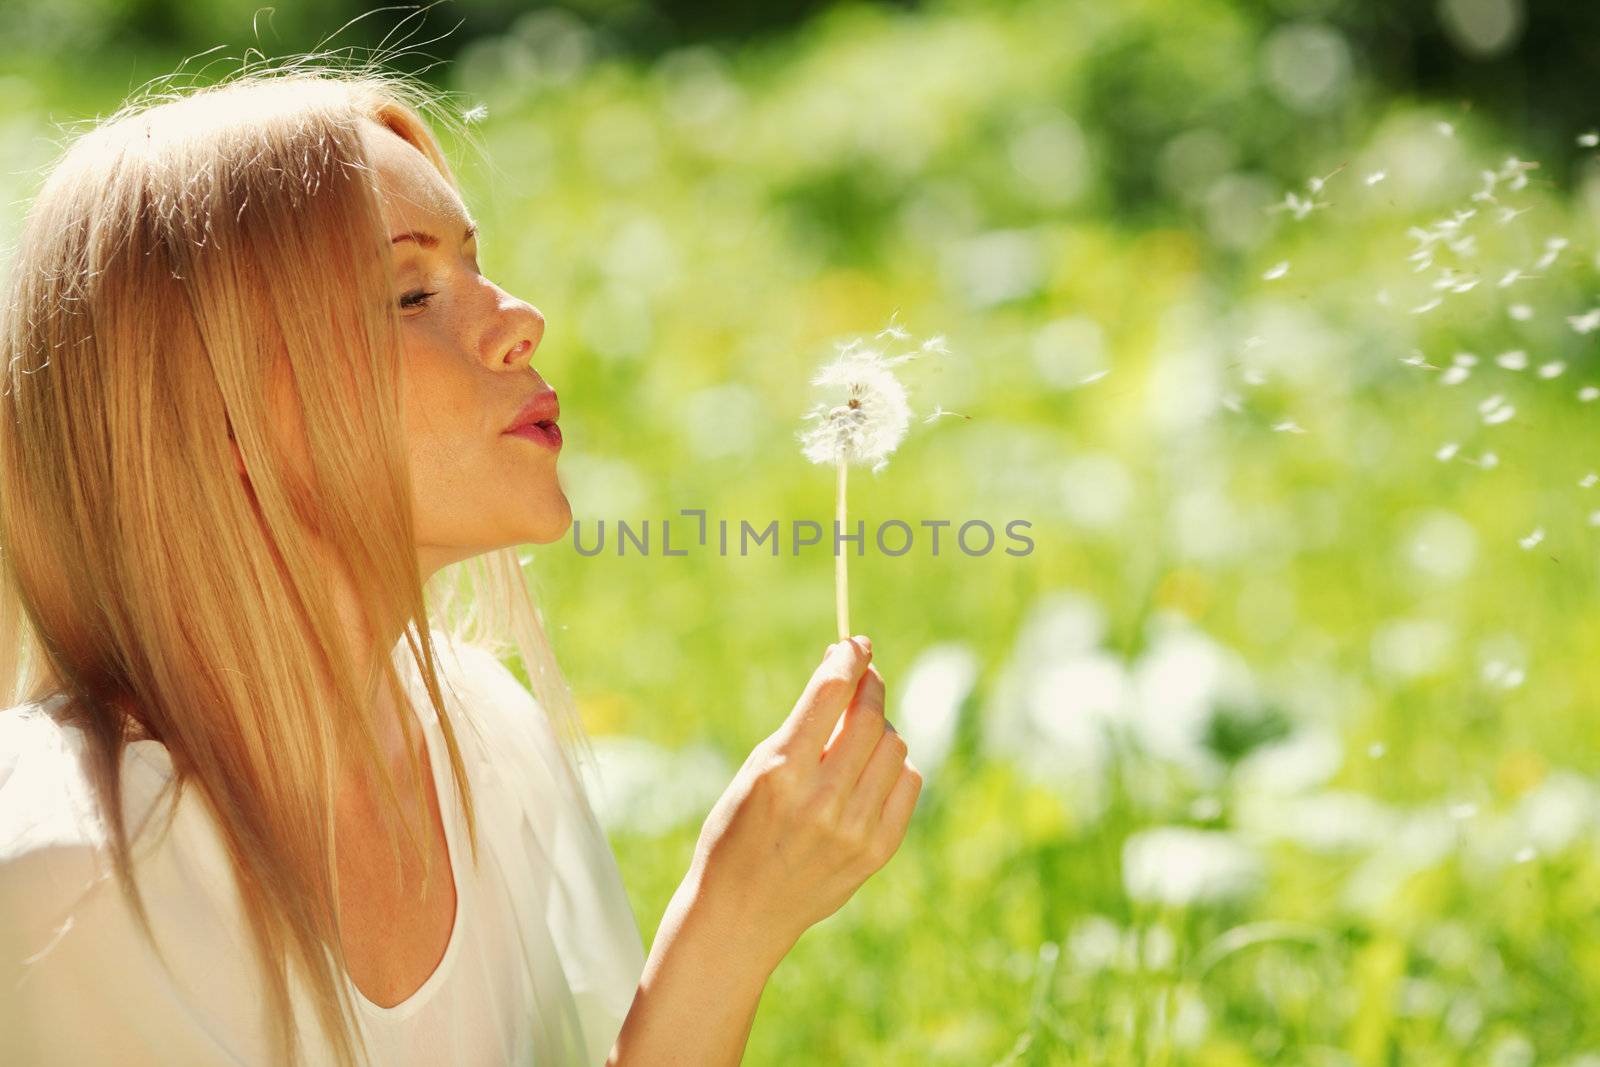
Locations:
{"points": [[865, 413]]}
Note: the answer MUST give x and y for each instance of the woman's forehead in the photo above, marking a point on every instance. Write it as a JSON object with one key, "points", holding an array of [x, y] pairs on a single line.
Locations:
{"points": [[411, 188]]}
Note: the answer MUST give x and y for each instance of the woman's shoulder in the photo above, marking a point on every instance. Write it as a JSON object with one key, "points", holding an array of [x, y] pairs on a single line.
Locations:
{"points": [[53, 836], [51, 843]]}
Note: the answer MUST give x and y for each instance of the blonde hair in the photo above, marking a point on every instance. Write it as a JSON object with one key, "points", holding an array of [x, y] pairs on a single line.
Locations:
{"points": [[186, 261]]}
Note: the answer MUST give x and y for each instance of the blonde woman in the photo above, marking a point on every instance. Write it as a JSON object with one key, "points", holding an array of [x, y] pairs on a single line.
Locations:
{"points": [[262, 413]]}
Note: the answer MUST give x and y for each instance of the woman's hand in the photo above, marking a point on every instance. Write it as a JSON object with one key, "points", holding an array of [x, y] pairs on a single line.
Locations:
{"points": [[816, 809]]}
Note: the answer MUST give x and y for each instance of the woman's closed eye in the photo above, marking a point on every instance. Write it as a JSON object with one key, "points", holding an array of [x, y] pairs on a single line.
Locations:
{"points": [[417, 298]]}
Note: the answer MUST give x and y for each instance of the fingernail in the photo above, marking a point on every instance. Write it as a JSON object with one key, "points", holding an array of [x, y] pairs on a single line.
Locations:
{"points": [[864, 641]]}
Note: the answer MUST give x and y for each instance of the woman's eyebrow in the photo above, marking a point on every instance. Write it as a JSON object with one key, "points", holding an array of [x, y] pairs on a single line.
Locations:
{"points": [[428, 240]]}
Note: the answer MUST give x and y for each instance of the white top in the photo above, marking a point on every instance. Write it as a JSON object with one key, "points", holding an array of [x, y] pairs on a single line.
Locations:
{"points": [[542, 964]]}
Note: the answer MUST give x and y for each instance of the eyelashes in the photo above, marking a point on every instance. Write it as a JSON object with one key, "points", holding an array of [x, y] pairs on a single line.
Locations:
{"points": [[417, 298]]}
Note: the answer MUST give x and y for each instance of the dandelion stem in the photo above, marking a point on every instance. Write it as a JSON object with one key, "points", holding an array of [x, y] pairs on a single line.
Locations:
{"points": [[841, 576]]}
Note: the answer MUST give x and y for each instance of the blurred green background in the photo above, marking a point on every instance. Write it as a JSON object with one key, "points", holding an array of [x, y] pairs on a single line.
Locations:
{"points": [[1276, 749]]}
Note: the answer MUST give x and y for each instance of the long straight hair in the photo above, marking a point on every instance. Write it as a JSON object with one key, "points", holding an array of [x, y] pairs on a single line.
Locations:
{"points": [[192, 266]]}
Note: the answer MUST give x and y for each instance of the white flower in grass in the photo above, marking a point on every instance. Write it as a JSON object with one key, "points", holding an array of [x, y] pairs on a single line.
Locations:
{"points": [[1177, 866]]}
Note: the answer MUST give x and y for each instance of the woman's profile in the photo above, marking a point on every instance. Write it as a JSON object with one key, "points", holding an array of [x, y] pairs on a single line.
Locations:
{"points": [[267, 793]]}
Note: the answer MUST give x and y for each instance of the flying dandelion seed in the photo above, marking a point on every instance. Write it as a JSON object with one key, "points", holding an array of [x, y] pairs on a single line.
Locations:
{"points": [[1525, 854], [1594, 518], [1276, 271], [1376, 176], [1589, 140], [1455, 375], [1427, 306], [1553, 369], [862, 421], [1511, 277], [1496, 410], [1586, 323], [1589, 480], [1287, 426], [1533, 538], [1589, 393], [1253, 377], [475, 113], [1514, 360], [1520, 312], [1446, 128], [1507, 214], [1488, 461], [1447, 452]]}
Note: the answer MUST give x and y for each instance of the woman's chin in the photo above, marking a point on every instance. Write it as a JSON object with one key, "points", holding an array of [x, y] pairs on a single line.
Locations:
{"points": [[552, 525]]}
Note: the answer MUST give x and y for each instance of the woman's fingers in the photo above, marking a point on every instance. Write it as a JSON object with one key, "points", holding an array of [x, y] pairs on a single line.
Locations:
{"points": [[825, 697], [864, 808], [896, 815], [859, 731]]}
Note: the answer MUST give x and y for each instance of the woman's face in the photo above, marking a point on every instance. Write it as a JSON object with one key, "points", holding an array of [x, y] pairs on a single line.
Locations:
{"points": [[467, 350]]}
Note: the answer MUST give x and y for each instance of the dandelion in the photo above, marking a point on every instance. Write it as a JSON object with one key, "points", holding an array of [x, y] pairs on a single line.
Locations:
{"points": [[1276, 271], [865, 428]]}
